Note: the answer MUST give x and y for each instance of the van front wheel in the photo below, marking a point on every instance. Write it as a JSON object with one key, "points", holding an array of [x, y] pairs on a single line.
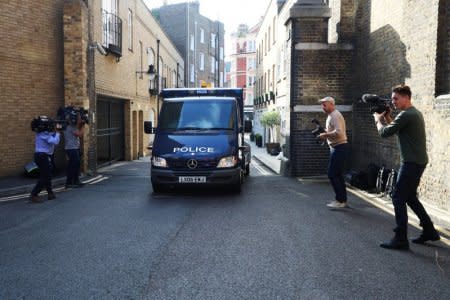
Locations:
{"points": [[157, 188]]}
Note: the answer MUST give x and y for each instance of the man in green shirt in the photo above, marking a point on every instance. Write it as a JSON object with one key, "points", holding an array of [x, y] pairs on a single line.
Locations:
{"points": [[409, 126]]}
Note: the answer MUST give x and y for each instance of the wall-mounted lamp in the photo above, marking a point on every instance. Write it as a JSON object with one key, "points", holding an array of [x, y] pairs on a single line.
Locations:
{"points": [[150, 72]]}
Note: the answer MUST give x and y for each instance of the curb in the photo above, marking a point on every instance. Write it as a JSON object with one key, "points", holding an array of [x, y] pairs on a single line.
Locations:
{"points": [[442, 225], [261, 161]]}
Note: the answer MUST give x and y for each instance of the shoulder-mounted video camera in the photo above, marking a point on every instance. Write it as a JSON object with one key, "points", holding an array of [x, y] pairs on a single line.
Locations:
{"points": [[377, 103], [65, 116], [71, 113], [44, 123]]}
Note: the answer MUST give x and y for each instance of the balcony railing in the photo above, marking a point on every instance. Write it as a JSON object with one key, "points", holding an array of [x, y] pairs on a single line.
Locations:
{"points": [[112, 33]]}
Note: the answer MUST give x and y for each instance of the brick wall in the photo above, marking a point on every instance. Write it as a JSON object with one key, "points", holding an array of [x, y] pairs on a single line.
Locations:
{"points": [[319, 69], [397, 43], [31, 76]]}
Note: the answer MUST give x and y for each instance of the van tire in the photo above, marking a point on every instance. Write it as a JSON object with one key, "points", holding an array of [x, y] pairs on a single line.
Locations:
{"points": [[157, 188], [236, 188], [247, 170]]}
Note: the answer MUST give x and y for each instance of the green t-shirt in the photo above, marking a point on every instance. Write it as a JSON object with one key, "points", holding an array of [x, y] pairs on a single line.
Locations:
{"points": [[410, 129]]}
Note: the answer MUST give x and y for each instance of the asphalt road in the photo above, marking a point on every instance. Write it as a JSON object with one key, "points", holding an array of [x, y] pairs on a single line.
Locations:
{"points": [[114, 239]]}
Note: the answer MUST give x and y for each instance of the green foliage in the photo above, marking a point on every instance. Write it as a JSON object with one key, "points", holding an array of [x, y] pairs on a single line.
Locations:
{"points": [[271, 118]]}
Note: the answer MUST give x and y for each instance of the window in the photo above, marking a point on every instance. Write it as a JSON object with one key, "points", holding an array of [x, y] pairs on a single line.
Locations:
{"points": [[192, 75], [221, 79], [202, 61], [213, 64], [112, 27], [141, 59], [192, 42], [221, 53], [268, 40], [130, 29], [213, 40], [151, 57], [274, 32], [202, 36]]}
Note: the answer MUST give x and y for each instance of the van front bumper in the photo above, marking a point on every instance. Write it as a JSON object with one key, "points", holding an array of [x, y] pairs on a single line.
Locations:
{"points": [[217, 177]]}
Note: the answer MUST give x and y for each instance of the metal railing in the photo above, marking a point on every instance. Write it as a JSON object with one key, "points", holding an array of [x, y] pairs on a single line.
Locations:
{"points": [[112, 33]]}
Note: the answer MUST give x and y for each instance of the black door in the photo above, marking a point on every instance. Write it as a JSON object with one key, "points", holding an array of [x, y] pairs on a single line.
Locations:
{"points": [[110, 130]]}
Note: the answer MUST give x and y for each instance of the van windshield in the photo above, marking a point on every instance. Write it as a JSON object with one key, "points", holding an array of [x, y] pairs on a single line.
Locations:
{"points": [[198, 115]]}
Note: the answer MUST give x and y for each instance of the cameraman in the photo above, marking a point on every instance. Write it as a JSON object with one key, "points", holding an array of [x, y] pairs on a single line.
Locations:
{"points": [[44, 147], [409, 126], [72, 134], [335, 134]]}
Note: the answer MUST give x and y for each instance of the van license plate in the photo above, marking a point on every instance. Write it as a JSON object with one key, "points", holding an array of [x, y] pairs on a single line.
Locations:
{"points": [[191, 179]]}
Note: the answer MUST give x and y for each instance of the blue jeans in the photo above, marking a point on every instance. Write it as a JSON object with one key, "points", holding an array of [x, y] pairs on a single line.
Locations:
{"points": [[405, 192], [73, 166], [336, 168]]}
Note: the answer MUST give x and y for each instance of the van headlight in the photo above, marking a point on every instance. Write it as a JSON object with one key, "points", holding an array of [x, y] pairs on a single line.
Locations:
{"points": [[227, 162], [159, 162]]}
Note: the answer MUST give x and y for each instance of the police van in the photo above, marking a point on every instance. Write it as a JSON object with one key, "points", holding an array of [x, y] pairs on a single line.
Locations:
{"points": [[199, 139]]}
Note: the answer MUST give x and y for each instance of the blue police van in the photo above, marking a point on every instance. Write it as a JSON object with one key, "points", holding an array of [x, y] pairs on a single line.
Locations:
{"points": [[199, 139]]}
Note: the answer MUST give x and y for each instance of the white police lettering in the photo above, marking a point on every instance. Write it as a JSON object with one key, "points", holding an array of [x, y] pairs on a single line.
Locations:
{"points": [[194, 149]]}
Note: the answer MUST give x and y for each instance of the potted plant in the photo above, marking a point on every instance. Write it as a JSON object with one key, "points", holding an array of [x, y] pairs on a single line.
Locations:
{"points": [[252, 137], [271, 119], [258, 140]]}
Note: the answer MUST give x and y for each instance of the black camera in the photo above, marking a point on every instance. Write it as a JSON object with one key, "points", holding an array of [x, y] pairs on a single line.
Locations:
{"points": [[317, 131], [44, 123], [377, 103], [70, 114]]}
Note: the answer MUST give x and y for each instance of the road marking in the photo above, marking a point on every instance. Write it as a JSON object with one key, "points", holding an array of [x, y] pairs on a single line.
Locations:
{"points": [[94, 180], [261, 169]]}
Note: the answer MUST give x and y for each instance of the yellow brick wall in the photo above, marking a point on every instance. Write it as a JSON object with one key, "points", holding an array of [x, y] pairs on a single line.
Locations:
{"points": [[31, 75]]}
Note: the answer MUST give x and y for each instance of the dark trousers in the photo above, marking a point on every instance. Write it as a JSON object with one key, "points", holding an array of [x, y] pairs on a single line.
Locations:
{"points": [[336, 168], [43, 161], [405, 192], [73, 166]]}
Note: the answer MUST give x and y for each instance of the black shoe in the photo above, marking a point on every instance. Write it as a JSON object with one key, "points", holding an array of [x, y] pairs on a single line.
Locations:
{"points": [[51, 196], [35, 199], [78, 184], [69, 186], [396, 244], [427, 236]]}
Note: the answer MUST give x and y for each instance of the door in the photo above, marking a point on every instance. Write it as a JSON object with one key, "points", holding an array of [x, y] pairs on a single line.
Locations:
{"points": [[110, 130]]}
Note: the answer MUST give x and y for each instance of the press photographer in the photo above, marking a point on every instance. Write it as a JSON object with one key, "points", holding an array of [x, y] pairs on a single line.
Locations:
{"points": [[336, 137], [76, 118], [47, 137]]}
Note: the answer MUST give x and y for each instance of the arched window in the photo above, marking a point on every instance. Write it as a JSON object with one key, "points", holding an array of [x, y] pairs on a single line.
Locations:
{"points": [[151, 56]]}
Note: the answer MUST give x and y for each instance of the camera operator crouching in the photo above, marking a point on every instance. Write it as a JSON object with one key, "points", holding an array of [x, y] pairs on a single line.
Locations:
{"points": [[72, 134], [46, 139]]}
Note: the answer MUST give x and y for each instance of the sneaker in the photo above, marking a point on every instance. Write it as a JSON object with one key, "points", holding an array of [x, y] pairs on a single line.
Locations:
{"points": [[337, 204]]}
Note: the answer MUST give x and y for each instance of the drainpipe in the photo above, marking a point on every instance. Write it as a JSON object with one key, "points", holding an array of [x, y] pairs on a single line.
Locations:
{"points": [[92, 144]]}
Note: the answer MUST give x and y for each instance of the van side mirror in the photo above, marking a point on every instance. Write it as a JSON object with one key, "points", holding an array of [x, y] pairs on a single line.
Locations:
{"points": [[148, 127]]}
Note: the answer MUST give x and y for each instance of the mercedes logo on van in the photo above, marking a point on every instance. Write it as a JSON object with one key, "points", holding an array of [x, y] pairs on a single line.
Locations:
{"points": [[192, 164]]}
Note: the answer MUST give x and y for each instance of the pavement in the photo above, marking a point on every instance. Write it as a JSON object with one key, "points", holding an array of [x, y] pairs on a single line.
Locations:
{"points": [[17, 187]]}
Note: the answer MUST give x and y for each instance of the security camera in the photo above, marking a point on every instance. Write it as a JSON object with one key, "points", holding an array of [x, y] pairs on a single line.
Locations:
{"points": [[101, 49]]}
